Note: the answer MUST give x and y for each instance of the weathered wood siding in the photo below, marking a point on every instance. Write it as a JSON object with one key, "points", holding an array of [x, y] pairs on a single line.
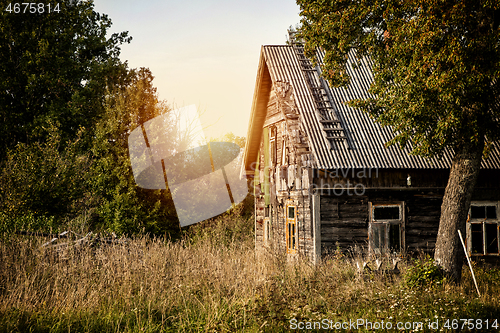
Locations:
{"points": [[282, 119], [380, 178], [344, 222], [344, 219], [422, 220]]}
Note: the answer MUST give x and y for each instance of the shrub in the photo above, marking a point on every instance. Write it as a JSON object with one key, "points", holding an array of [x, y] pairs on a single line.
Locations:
{"points": [[43, 184], [423, 272]]}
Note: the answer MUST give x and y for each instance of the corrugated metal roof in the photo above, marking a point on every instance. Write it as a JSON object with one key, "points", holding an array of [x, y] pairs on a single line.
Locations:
{"points": [[365, 138]]}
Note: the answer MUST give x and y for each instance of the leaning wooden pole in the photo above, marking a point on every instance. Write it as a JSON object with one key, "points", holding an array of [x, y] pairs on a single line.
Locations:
{"points": [[468, 260]]}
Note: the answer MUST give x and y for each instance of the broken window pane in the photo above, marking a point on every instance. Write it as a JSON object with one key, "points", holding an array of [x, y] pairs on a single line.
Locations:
{"points": [[378, 237], [477, 212], [477, 237], [386, 225], [394, 237], [491, 238], [491, 212], [273, 152], [385, 213]]}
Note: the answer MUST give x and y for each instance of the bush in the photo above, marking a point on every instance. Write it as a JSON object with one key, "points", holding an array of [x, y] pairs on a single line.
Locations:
{"points": [[223, 231], [121, 206], [43, 184], [423, 272]]}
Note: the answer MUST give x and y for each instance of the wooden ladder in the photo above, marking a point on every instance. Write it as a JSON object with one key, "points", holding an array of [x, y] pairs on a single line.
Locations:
{"points": [[329, 122]]}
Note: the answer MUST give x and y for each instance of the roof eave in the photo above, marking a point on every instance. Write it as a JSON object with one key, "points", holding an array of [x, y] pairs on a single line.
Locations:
{"points": [[261, 95]]}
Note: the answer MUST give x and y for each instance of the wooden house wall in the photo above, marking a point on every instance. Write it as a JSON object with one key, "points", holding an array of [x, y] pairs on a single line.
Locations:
{"points": [[344, 222], [278, 224], [381, 178], [344, 219], [259, 201], [384, 178], [301, 199], [281, 117]]}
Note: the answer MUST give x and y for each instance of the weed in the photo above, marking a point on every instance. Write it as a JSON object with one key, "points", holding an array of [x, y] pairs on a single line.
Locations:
{"points": [[213, 280], [424, 272]]}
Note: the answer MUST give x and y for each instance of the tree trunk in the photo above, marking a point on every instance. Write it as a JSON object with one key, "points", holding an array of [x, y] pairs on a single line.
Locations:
{"points": [[449, 253]]}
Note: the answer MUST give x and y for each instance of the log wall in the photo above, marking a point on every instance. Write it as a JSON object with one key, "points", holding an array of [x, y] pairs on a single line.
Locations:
{"points": [[344, 219]]}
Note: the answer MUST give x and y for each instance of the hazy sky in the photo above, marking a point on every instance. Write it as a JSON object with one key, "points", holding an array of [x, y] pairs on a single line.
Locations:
{"points": [[203, 52]]}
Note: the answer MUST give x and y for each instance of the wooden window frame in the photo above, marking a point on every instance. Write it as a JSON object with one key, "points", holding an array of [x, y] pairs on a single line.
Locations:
{"points": [[283, 152], [385, 225], [267, 230], [291, 230], [483, 222], [273, 146]]}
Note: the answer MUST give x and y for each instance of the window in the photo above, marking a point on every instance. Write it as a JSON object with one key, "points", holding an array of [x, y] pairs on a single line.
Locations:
{"points": [[272, 145], [386, 228], [267, 225], [483, 228], [267, 231], [291, 229]]}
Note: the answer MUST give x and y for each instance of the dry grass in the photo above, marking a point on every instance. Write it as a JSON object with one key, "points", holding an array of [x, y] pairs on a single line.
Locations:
{"points": [[213, 283]]}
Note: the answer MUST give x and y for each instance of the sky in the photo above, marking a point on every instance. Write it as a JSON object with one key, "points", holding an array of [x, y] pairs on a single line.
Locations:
{"points": [[202, 52]]}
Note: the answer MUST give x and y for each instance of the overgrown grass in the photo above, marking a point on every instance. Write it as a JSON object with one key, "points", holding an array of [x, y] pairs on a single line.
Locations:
{"points": [[214, 281]]}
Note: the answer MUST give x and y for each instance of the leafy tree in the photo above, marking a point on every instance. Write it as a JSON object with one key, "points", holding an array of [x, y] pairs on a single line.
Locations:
{"points": [[122, 206], [67, 106], [436, 66], [50, 186], [44, 186], [54, 68]]}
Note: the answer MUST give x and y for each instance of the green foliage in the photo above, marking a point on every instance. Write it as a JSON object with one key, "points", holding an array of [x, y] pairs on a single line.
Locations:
{"points": [[54, 69], [435, 65], [28, 221], [424, 272], [68, 105], [123, 207], [43, 184], [53, 186]]}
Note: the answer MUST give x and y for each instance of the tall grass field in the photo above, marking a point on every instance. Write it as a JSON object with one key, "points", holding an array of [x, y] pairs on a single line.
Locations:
{"points": [[215, 281]]}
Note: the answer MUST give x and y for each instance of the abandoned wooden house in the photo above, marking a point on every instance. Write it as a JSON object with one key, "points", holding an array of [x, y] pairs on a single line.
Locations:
{"points": [[324, 180]]}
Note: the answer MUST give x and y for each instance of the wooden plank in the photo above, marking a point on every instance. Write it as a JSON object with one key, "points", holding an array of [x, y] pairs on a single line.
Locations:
{"points": [[422, 225], [423, 219], [421, 232], [274, 119], [340, 231], [345, 223], [421, 245]]}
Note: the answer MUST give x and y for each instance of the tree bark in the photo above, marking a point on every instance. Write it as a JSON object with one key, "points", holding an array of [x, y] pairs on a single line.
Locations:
{"points": [[449, 253]]}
